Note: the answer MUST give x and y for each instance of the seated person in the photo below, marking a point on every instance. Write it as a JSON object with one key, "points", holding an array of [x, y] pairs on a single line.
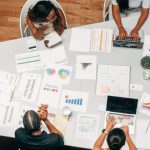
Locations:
{"points": [[32, 138], [44, 18], [115, 137], [126, 7]]}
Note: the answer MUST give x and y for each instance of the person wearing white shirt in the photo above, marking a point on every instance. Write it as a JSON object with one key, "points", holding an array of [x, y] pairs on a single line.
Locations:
{"points": [[126, 7]]}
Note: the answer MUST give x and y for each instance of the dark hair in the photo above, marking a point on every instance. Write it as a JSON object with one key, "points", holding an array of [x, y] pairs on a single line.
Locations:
{"points": [[123, 5], [40, 11], [116, 139], [31, 121]]}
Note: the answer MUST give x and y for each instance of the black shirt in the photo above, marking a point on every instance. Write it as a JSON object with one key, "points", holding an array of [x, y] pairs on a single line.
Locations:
{"points": [[44, 141]]}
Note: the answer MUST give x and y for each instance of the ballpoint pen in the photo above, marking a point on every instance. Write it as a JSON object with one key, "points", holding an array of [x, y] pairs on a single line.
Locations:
{"points": [[147, 127]]}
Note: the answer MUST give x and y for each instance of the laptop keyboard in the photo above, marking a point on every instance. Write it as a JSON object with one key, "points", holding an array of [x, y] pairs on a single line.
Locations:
{"points": [[123, 119]]}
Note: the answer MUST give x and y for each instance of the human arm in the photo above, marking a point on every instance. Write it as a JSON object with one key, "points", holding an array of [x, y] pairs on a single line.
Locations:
{"points": [[128, 138], [117, 18], [60, 23], [37, 33], [143, 17], [110, 124], [43, 114]]}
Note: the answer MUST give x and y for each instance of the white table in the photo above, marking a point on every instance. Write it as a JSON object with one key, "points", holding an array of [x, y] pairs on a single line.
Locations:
{"points": [[118, 56]]}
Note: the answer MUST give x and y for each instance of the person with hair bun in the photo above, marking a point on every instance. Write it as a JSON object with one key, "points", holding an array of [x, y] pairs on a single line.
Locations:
{"points": [[116, 137], [44, 18], [32, 138]]}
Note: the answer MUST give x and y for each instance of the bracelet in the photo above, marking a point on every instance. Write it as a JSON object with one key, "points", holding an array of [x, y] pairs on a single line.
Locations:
{"points": [[121, 27]]}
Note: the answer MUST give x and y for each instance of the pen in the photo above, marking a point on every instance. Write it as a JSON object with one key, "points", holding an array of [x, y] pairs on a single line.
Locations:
{"points": [[147, 127]]}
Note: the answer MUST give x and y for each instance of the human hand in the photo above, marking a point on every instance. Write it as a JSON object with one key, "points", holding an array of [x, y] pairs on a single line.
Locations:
{"points": [[42, 112], [43, 27], [46, 43], [147, 105], [122, 33], [126, 130], [134, 34], [111, 121]]}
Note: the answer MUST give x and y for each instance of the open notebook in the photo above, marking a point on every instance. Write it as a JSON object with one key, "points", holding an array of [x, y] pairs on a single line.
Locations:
{"points": [[123, 109]]}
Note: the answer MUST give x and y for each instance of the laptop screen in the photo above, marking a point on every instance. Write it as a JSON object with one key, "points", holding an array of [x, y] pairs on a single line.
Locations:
{"points": [[121, 105]]}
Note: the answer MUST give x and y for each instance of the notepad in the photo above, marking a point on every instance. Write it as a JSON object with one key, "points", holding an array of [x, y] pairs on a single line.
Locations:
{"points": [[86, 40], [52, 39]]}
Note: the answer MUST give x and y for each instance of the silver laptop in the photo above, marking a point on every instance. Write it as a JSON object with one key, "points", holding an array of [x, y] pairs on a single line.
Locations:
{"points": [[124, 110]]}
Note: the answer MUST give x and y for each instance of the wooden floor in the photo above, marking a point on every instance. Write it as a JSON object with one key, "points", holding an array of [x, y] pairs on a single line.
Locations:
{"points": [[78, 12]]}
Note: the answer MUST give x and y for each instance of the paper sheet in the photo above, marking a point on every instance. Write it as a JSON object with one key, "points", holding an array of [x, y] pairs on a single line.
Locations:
{"points": [[113, 80], [55, 55], [28, 61], [76, 100], [49, 94], [80, 39], [28, 87], [9, 114], [86, 129], [8, 84], [146, 47], [101, 40], [58, 73], [59, 121], [86, 67], [143, 134]]}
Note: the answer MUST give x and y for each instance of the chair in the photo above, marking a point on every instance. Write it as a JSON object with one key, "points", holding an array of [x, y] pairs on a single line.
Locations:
{"points": [[107, 10], [25, 31]]}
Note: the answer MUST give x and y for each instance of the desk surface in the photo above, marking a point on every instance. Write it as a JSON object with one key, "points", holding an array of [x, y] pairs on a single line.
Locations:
{"points": [[118, 56]]}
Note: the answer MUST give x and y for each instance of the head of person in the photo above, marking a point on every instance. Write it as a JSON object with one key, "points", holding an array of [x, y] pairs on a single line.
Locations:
{"points": [[116, 139], [123, 5], [31, 121], [43, 11]]}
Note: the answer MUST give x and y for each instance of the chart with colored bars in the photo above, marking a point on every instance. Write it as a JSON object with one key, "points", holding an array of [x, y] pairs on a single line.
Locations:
{"points": [[74, 101]]}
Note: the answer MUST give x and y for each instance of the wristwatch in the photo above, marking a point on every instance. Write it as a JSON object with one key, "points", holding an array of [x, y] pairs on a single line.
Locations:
{"points": [[105, 131]]}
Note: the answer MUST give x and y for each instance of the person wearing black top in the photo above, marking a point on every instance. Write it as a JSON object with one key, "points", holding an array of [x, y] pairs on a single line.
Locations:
{"points": [[32, 138]]}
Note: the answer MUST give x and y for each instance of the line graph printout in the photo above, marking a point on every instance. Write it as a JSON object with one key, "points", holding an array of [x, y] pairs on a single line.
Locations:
{"points": [[113, 80]]}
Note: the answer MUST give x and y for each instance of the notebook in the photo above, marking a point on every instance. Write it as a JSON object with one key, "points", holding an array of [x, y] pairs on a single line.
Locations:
{"points": [[123, 109]]}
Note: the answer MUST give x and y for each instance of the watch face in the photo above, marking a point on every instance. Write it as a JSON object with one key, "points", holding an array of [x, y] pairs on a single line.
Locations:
{"points": [[103, 130]]}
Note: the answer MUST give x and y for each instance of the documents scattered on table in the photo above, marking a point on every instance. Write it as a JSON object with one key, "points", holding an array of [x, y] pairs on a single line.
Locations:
{"points": [[113, 80], [86, 40], [76, 100], [86, 66]]}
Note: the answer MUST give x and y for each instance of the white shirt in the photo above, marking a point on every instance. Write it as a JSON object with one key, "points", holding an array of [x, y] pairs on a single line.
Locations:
{"points": [[135, 3]]}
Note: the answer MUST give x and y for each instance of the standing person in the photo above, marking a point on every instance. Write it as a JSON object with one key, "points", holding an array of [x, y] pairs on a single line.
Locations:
{"points": [[32, 138], [116, 137], [44, 18], [126, 7]]}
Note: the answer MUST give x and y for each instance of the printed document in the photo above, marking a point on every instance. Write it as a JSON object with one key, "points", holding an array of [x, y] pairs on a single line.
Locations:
{"points": [[113, 80]]}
